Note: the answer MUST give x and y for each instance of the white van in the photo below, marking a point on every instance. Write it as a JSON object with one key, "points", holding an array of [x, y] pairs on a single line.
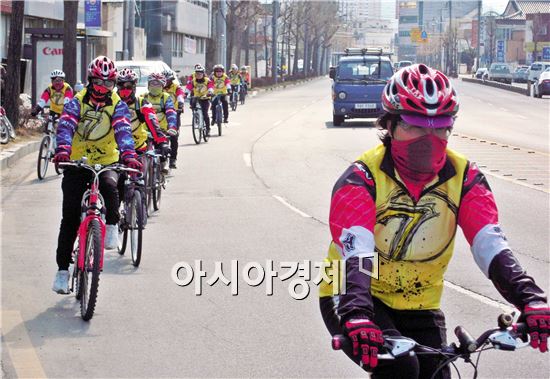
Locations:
{"points": [[535, 70], [142, 69]]}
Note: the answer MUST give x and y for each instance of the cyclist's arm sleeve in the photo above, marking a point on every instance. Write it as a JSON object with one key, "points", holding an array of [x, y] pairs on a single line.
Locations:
{"points": [[123, 130], [170, 112], [189, 88], [228, 84], [68, 95], [210, 86], [44, 98], [180, 94], [152, 122], [67, 125], [478, 218], [351, 221]]}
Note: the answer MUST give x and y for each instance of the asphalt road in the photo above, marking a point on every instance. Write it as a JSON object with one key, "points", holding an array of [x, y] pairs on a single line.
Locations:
{"points": [[260, 192]]}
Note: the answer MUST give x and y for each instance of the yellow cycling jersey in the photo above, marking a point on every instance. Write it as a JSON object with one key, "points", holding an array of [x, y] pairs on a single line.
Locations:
{"points": [[235, 78], [139, 127], [159, 103], [200, 89], [57, 99], [94, 136], [172, 92], [220, 88], [414, 241]]}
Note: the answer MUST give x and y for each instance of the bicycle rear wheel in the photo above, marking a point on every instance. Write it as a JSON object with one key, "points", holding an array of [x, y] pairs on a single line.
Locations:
{"points": [[89, 278], [136, 228], [122, 230], [234, 96], [195, 125], [150, 185], [43, 157]]}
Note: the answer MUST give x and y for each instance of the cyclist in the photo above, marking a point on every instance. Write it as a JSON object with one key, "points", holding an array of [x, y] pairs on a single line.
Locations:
{"points": [[94, 124], [235, 78], [222, 86], [163, 105], [143, 118], [201, 89], [402, 201], [58, 93], [245, 79], [177, 94]]}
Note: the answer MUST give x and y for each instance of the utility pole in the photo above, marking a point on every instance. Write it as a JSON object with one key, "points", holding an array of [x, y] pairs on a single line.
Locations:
{"points": [[12, 90], [70, 15], [450, 64], [274, 41], [478, 34], [125, 11], [131, 28], [223, 34], [306, 61]]}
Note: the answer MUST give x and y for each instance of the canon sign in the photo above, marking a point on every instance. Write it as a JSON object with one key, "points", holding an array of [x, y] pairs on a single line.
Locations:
{"points": [[52, 51]]}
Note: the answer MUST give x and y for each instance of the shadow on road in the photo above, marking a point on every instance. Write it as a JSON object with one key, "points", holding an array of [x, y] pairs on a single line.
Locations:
{"points": [[351, 124]]}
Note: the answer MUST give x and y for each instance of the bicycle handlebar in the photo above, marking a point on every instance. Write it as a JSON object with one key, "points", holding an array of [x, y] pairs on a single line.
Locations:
{"points": [[504, 338], [98, 168]]}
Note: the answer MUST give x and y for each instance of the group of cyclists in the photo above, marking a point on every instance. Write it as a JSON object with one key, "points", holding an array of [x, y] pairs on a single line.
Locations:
{"points": [[402, 200], [107, 126]]}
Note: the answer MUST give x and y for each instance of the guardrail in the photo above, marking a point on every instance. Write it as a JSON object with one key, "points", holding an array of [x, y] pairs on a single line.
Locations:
{"points": [[507, 87]]}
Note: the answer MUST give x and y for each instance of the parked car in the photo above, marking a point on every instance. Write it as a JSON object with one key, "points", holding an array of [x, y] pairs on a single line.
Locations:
{"points": [[500, 72], [542, 86], [521, 74], [358, 82], [535, 70], [142, 69], [482, 73]]}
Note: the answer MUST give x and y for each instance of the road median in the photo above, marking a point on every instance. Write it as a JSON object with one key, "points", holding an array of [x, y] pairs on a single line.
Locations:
{"points": [[506, 87]]}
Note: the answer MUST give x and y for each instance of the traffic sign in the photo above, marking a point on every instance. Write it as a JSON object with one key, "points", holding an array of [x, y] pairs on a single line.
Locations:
{"points": [[546, 53], [424, 35]]}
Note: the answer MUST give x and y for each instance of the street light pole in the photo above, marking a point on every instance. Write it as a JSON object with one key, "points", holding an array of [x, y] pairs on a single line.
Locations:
{"points": [[478, 33], [274, 41]]}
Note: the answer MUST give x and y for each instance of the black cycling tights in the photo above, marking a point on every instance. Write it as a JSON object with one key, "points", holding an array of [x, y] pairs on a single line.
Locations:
{"points": [[426, 327]]}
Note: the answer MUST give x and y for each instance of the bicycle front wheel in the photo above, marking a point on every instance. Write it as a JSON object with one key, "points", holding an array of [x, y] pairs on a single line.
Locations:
{"points": [[43, 156], [219, 119], [89, 277], [122, 229], [136, 228], [196, 126], [157, 189]]}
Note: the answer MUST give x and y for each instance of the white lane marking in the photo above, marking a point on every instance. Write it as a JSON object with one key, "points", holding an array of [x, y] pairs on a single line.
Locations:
{"points": [[522, 117], [293, 208], [484, 299], [489, 104], [22, 353], [503, 109], [247, 157], [277, 122]]}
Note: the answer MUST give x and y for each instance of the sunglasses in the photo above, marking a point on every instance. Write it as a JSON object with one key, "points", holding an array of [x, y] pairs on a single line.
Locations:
{"points": [[439, 132], [100, 82], [156, 83], [126, 85], [58, 80]]}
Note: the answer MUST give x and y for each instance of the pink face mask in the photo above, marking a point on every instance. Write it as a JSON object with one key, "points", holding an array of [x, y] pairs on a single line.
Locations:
{"points": [[125, 93], [419, 159]]}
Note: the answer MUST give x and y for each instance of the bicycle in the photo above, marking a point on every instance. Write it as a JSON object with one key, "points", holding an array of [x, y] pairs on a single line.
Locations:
{"points": [[155, 180], [133, 217], [218, 112], [88, 255], [242, 93], [7, 131], [508, 336], [47, 146], [197, 123], [234, 98]]}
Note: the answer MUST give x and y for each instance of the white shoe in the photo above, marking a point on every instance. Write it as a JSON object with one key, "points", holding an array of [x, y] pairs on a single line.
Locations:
{"points": [[111, 237], [61, 282]]}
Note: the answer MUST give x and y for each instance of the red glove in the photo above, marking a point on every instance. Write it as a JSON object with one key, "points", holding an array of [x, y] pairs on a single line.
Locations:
{"points": [[131, 161], [537, 317], [62, 156], [366, 338]]}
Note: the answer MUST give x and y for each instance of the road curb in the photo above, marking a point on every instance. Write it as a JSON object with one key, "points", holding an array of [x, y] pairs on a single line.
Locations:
{"points": [[506, 87], [283, 85], [10, 156]]}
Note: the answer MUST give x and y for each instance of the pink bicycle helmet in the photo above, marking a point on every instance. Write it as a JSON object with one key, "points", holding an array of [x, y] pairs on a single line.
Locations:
{"points": [[126, 75], [420, 90], [102, 68], [157, 76]]}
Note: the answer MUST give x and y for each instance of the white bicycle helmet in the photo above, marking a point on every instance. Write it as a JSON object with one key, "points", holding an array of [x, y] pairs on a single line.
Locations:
{"points": [[57, 74]]}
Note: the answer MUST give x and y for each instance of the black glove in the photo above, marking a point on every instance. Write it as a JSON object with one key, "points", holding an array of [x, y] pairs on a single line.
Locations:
{"points": [[36, 110], [165, 149]]}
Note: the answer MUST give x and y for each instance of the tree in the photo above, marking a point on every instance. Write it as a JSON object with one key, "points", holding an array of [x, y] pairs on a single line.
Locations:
{"points": [[13, 84], [70, 12]]}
